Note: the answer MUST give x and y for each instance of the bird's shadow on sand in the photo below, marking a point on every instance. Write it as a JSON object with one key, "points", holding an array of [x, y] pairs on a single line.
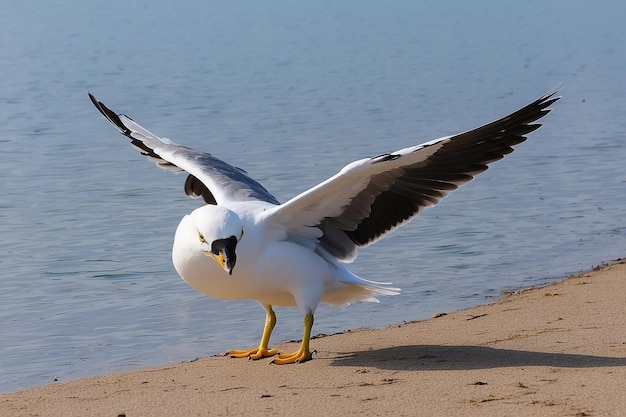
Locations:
{"points": [[435, 358]]}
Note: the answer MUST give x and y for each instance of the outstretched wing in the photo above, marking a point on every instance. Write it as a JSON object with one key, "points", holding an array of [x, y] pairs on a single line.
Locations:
{"points": [[371, 197], [215, 180]]}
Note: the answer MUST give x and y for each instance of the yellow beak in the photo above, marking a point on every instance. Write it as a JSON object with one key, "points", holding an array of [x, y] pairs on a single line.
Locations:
{"points": [[223, 251]]}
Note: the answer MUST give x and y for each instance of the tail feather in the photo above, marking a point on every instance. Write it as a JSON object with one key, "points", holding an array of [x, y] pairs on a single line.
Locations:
{"points": [[352, 288]]}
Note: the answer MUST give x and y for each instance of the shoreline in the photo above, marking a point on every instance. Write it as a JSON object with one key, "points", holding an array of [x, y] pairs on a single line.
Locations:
{"points": [[555, 349]]}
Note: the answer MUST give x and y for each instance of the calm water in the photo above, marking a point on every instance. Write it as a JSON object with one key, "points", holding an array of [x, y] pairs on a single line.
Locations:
{"points": [[291, 92]]}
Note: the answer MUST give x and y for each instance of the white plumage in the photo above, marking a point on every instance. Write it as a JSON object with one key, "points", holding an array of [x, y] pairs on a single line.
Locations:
{"points": [[244, 244]]}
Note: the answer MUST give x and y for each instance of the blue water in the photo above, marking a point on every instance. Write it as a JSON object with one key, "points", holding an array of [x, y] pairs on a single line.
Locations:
{"points": [[290, 91]]}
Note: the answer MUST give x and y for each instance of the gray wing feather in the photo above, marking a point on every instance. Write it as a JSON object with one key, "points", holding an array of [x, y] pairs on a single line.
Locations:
{"points": [[369, 198], [399, 195], [209, 177]]}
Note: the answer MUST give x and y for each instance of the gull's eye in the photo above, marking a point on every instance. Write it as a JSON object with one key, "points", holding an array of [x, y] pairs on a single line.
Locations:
{"points": [[201, 237]]}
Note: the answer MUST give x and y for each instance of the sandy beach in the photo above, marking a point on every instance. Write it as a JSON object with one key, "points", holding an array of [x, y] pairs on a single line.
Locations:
{"points": [[556, 350]]}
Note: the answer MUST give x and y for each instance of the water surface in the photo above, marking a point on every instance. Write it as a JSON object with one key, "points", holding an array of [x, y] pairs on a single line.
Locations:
{"points": [[291, 93]]}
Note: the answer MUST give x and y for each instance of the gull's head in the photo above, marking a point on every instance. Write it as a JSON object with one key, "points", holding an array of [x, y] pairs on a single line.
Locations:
{"points": [[215, 231]]}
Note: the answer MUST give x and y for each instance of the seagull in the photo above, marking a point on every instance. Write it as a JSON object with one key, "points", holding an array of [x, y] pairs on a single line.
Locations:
{"points": [[244, 244]]}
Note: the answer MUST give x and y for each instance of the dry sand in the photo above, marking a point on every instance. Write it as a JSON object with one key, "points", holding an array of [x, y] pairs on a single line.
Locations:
{"points": [[558, 350]]}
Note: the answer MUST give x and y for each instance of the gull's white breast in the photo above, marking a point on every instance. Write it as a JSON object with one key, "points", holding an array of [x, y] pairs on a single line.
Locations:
{"points": [[275, 272]]}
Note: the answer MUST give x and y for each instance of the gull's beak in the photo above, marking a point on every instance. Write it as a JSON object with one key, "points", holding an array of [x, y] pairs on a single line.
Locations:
{"points": [[223, 250]]}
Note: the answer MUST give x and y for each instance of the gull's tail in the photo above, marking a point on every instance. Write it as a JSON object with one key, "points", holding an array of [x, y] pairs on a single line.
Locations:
{"points": [[350, 288]]}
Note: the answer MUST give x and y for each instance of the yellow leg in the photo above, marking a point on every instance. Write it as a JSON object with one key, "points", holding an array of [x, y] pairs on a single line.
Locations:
{"points": [[303, 354], [262, 351]]}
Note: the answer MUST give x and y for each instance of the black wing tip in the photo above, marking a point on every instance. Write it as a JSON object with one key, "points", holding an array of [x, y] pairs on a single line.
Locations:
{"points": [[550, 97], [93, 99], [98, 105], [541, 107], [532, 112], [110, 115]]}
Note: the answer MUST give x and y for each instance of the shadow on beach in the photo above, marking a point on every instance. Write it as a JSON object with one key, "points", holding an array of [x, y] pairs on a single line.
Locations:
{"points": [[437, 358]]}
